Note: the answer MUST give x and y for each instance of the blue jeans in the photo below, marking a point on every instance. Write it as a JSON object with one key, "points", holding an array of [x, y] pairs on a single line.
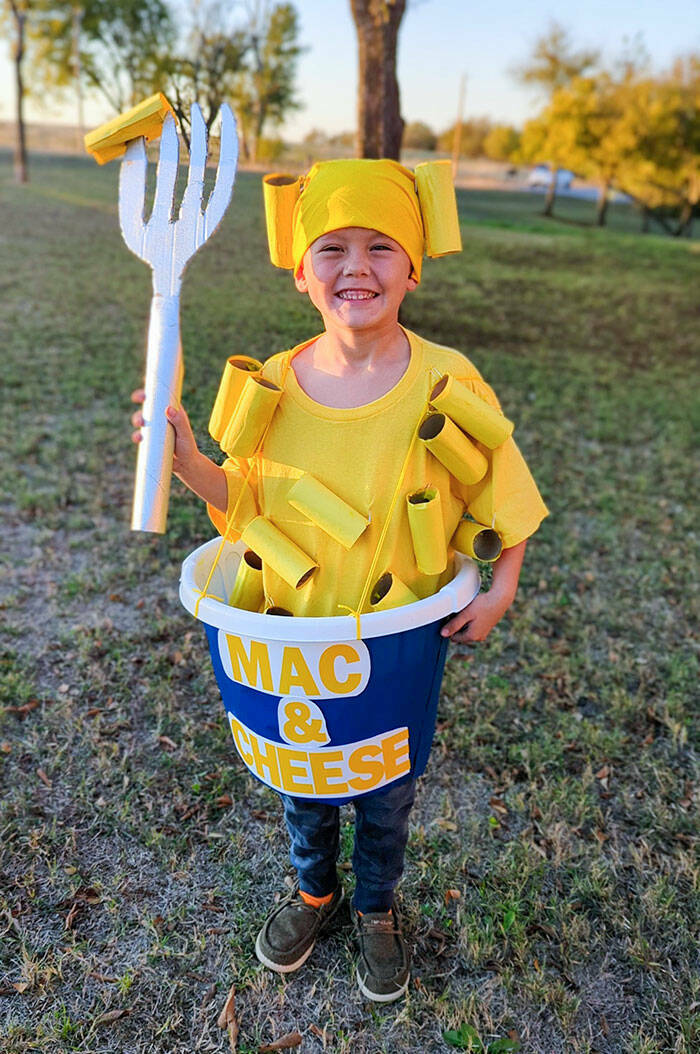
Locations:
{"points": [[381, 833]]}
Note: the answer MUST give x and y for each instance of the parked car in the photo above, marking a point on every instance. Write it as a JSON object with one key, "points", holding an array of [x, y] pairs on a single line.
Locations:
{"points": [[541, 176]]}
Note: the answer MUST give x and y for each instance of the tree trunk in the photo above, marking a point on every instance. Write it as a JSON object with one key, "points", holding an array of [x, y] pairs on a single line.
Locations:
{"points": [[20, 157], [379, 121], [550, 197], [602, 204], [685, 221]]}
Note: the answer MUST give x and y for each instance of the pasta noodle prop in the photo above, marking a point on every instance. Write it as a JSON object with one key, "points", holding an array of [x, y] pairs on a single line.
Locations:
{"points": [[253, 413], [427, 530], [450, 446], [472, 414], [279, 552], [280, 194], [438, 206], [145, 120], [390, 592], [329, 512], [248, 593], [236, 370], [475, 540]]}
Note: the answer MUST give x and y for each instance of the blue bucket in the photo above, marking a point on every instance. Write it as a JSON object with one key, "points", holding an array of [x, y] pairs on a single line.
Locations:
{"points": [[315, 712]]}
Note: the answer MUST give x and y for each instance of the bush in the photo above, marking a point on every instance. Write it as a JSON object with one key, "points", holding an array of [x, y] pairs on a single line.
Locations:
{"points": [[419, 136]]}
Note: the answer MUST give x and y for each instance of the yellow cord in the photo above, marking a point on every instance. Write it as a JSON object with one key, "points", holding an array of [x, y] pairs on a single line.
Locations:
{"points": [[382, 537]]}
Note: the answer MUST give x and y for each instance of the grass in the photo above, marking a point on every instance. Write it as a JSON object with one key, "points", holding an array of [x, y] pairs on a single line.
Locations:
{"points": [[551, 889]]}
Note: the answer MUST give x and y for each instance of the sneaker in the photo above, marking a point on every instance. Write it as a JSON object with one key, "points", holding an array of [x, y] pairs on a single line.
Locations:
{"points": [[383, 967], [287, 939]]}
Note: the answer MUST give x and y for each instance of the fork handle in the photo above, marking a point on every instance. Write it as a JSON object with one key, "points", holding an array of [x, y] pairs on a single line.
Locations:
{"points": [[163, 387]]}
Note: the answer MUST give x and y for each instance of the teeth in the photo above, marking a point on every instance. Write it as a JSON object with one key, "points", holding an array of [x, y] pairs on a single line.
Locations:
{"points": [[351, 294]]}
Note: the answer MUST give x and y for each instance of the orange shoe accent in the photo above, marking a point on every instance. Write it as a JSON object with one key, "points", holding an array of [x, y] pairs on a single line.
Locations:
{"points": [[315, 902]]}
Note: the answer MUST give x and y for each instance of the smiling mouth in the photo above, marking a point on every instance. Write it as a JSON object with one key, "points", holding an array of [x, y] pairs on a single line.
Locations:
{"points": [[357, 294]]}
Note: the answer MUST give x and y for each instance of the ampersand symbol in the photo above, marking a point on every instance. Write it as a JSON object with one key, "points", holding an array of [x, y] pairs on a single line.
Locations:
{"points": [[301, 726]]}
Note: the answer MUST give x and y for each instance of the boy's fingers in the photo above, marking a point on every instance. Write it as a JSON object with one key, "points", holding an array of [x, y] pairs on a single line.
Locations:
{"points": [[136, 437], [454, 624], [137, 419], [138, 396]]}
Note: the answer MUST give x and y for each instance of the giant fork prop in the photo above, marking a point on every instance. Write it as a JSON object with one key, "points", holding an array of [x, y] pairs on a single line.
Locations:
{"points": [[167, 245]]}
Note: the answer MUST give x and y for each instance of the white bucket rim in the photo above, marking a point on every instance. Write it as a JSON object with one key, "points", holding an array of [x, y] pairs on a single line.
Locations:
{"points": [[453, 596]]}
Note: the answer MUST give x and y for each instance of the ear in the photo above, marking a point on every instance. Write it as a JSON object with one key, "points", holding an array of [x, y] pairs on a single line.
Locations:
{"points": [[411, 283], [300, 279]]}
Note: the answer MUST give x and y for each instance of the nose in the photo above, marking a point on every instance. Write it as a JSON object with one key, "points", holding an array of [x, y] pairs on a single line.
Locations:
{"points": [[356, 261]]}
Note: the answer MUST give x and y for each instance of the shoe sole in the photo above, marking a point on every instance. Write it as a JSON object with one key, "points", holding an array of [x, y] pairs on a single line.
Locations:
{"points": [[279, 967], [291, 967], [376, 997]]}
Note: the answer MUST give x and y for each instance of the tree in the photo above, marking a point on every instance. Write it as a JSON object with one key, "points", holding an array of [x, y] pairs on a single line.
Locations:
{"points": [[581, 130], [553, 63], [124, 48], [662, 171], [419, 136], [501, 142], [379, 121], [123, 44], [264, 89], [472, 137], [17, 12], [206, 69], [638, 134]]}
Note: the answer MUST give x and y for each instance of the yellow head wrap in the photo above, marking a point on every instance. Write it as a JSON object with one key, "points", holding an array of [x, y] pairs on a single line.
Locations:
{"points": [[418, 211]]}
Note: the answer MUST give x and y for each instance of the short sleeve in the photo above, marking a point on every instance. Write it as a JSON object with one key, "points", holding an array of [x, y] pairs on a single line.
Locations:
{"points": [[507, 498], [242, 506]]}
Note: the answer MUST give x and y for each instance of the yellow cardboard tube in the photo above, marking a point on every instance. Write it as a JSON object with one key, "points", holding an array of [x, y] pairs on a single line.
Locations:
{"points": [[390, 592], [248, 593], [145, 119], [280, 194], [256, 405], [236, 370], [472, 414], [427, 530], [327, 510], [473, 539], [279, 552], [450, 446], [438, 205]]}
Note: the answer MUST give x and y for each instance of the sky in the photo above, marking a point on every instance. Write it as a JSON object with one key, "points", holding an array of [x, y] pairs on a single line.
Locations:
{"points": [[439, 42]]}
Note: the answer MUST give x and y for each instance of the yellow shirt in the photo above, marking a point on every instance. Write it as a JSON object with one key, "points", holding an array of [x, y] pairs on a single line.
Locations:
{"points": [[358, 453]]}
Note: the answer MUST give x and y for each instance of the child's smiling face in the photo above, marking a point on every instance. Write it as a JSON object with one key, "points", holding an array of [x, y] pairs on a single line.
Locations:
{"points": [[356, 278]]}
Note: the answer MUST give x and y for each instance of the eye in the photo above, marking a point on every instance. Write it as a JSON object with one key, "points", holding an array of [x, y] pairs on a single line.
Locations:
{"points": [[382, 247], [330, 248]]}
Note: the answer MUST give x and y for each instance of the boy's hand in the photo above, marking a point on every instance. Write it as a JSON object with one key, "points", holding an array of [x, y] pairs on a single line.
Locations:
{"points": [[478, 618], [186, 449]]}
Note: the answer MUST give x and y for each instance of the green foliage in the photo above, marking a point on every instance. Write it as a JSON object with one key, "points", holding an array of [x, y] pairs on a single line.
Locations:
{"points": [[502, 142], [636, 133], [264, 91], [467, 1038], [472, 137], [123, 45], [554, 61]]}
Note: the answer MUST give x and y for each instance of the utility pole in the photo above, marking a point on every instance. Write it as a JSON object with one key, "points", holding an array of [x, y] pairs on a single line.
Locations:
{"points": [[457, 137]]}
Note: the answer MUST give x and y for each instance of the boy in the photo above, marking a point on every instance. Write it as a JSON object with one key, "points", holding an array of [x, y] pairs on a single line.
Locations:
{"points": [[351, 399]]}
